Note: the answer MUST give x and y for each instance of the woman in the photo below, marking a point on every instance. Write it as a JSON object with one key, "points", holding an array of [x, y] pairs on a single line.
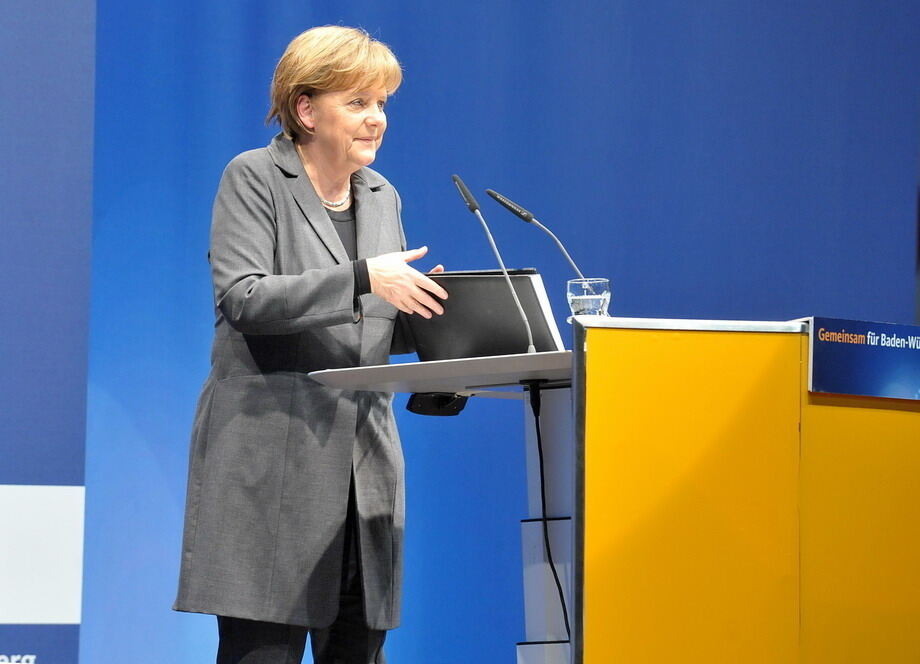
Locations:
{"points": [[294, 514]]}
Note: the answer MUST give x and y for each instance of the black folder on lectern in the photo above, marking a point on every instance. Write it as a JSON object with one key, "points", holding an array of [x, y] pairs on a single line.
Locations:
{"points": [[481, 319]]}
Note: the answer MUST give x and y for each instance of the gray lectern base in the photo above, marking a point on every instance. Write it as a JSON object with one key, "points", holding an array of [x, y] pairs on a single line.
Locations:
{"points": [[545, 640]]}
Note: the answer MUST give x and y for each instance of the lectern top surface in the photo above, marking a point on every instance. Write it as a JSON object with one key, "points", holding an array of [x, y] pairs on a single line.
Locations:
{"points": [[475, 374], [792, 326]]}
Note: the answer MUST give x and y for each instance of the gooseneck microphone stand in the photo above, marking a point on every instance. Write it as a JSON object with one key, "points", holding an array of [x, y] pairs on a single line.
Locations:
{"points": [[518, 211], [474, 208]]}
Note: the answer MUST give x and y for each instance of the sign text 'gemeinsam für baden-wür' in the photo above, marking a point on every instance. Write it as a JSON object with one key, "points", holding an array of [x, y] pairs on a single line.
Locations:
{"points": [[865, 358]]}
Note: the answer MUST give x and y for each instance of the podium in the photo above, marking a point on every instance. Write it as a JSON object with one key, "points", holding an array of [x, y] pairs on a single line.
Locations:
{"points": [[702, 504]]}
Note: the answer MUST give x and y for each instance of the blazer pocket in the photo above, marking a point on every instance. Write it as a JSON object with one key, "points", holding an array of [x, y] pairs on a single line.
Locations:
{"points": [[247, 436], [376, 307]]}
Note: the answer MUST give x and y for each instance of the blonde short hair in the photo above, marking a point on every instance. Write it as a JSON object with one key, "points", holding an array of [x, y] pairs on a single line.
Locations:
{"points": [[324, 59]]}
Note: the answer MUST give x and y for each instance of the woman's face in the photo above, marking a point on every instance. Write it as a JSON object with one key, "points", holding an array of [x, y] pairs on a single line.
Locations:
{"points": [[347, 126]]}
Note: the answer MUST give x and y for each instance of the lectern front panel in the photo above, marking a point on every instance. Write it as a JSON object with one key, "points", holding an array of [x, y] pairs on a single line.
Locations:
{"points": [[689, 519]]}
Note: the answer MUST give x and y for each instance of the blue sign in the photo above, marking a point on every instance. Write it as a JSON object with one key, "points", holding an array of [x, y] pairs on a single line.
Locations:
{"points": [[864, 358], [45, 254], [38, 644]]}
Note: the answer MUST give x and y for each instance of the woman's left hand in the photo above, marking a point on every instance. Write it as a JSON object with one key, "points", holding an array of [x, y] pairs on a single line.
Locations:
{"points": [[404, 287]]}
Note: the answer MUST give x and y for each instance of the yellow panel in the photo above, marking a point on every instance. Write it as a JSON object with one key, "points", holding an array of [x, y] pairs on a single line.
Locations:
{"points": [[860, 585], [691, 525]]}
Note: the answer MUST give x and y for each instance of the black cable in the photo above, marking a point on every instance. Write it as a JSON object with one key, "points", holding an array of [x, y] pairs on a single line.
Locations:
{"points": [[534, 386]]}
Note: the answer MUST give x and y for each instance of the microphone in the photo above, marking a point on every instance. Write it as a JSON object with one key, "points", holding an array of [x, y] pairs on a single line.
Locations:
{"points": [[474, 208], [517, 210], [471, 202]]}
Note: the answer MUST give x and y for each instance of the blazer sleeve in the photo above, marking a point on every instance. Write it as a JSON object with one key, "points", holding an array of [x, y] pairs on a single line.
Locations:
{"points": [[251, 298]]}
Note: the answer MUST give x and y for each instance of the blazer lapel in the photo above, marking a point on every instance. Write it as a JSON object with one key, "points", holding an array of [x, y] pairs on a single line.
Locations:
{"points": [[367, 217], [285, 157]]}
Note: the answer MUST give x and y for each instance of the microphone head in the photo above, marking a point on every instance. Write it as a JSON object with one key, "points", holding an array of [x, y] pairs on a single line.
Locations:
{"points": [[465, 193], [511, 205]]}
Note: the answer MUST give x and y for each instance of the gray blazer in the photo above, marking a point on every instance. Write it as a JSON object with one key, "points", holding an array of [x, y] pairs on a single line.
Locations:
{"points": [[272, 451]]}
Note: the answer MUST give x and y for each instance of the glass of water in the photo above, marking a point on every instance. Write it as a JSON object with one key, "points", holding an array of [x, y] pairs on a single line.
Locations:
{"points": [[588, 297]]}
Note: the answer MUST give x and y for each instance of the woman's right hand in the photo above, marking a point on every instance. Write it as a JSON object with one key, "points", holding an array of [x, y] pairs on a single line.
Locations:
{"points": [[403, 286]]}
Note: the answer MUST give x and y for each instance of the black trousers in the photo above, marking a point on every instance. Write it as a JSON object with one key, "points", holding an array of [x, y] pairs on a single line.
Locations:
{"points": [[347, 641]]}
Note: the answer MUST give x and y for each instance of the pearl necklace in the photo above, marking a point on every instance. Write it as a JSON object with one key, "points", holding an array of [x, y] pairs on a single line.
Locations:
{"points": [[335, 204]]}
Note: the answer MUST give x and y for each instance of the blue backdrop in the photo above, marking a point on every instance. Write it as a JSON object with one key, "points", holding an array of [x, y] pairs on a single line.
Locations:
{"points": [[715, 159]]}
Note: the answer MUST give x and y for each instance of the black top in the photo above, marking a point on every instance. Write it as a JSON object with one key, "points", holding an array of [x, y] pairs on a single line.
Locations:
{"points": [[344, 223]]}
